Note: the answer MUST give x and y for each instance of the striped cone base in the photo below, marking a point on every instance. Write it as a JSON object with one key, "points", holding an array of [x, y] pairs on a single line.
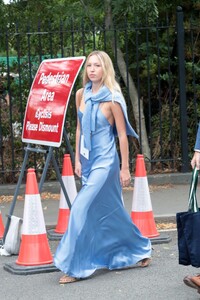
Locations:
{"points": [[70, 186], [63, 219], [142, 213], [145, 223], [34, 250], [1, 227]]}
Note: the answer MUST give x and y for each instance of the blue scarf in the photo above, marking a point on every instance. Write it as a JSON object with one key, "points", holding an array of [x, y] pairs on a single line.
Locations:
{"points": [[92, 102]]}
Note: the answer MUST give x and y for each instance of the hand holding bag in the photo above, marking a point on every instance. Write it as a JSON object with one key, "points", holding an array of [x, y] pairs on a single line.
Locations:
{"points": [[188, 228]]}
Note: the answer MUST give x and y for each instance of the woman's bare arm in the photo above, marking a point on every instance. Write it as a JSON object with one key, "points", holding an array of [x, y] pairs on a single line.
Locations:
{"points": [[78, 132], [123, 142]]}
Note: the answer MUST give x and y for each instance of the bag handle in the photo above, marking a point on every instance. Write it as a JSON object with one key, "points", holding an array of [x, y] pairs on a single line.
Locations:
{"points": [[192, 201]]}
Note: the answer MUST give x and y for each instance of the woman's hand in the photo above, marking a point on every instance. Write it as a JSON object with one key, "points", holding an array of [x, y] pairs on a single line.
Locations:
{"points": [[125, 177], [78, 168], [196, 160]]}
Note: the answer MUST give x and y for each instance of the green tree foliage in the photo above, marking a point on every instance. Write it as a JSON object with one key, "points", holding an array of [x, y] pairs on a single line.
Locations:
{"points": [[33, 30]]}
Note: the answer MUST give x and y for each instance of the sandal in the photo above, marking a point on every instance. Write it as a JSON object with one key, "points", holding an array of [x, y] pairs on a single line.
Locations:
{"points": [[144, 262], [193, 282], [67, 279], [187, 280]]}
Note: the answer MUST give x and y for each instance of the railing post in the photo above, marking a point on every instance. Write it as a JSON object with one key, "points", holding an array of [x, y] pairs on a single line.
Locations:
{"points": [[182, 90]]}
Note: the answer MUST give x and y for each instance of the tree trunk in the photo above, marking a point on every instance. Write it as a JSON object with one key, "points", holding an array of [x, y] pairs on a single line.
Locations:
{"points": [[136, 104]]}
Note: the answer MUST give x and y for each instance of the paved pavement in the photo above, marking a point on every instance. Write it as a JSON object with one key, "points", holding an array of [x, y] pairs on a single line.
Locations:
{"points": [[162, 280], [168, 192]]}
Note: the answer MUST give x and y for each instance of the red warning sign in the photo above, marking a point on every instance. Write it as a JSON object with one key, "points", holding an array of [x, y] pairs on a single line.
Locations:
{"points": [[48, 100]]}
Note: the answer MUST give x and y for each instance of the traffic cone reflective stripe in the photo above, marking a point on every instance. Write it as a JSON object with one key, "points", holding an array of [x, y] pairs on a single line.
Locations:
{"points": [[1, 227], [141, 195], [34, 248], [142, 214], [35, 223], [70, 186]]}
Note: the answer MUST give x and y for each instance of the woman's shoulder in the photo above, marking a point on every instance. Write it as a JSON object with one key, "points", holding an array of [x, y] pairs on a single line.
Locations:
{"points": [[79, 91], [79, 96]]}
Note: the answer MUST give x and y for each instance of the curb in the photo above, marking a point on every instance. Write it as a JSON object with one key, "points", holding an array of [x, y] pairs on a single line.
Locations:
{"points": [[169, 178], [156, 179], [54, 186], [165, 218]]}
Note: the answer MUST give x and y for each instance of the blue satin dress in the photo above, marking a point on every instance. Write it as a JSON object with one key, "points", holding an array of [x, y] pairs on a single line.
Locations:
{"points": [[100, 231]]}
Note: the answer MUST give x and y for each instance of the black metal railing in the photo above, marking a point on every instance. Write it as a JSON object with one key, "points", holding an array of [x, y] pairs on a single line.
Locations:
{"points": [[159, 78]]}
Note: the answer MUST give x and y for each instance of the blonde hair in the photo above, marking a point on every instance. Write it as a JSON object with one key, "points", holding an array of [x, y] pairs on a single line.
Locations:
{"points": [[108, 78]]}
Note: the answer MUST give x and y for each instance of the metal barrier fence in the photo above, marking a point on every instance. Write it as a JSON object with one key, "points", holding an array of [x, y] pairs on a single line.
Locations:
{"points": [[151, 65]]}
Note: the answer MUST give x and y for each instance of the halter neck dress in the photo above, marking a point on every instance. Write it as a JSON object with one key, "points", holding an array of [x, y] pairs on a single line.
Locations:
{"points": [[100, 232]]}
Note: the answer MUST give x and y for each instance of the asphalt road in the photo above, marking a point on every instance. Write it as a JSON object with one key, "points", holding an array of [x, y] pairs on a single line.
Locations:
{"points": [[161, 280]]}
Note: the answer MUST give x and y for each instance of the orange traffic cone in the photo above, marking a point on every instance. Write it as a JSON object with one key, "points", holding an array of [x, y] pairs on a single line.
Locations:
{"points": [[1, 227], [34, 249], [70, 185], [142, 214]]}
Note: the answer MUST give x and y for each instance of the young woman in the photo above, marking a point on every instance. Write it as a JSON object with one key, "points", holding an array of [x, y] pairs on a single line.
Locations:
{"points": [[195, 162], [194, 281], [100, 232]]}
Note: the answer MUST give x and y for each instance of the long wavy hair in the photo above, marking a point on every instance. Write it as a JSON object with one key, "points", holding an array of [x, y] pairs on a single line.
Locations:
{"points": [[108, 78]]}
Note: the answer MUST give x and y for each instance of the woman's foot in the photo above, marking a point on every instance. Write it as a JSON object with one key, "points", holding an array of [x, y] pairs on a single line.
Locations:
{"points": [[193, 282], [67, 279], [144, 262]]}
